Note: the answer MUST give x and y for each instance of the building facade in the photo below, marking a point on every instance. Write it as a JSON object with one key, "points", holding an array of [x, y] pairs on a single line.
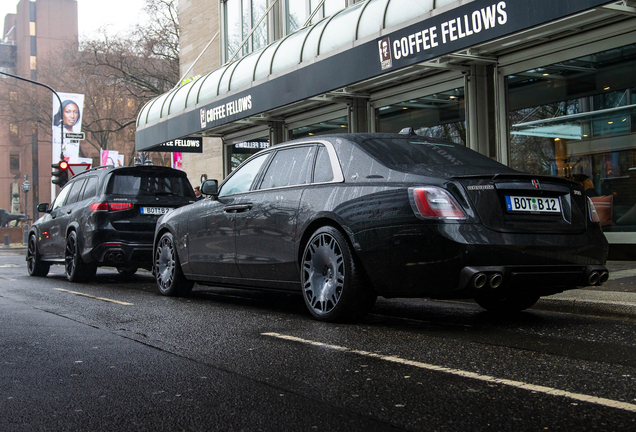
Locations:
{"points": [[31, 38], [544, 87]]}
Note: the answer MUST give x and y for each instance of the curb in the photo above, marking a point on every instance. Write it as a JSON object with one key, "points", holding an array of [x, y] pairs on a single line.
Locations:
{"points": [[588, 302]]}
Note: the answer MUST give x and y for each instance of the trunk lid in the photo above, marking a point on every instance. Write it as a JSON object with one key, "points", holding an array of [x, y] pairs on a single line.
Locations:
{"points": [[526, 203]]}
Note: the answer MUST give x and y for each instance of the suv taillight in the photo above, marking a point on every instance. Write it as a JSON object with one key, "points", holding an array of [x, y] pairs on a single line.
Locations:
{"points": [[109, 207], [434, 202]]}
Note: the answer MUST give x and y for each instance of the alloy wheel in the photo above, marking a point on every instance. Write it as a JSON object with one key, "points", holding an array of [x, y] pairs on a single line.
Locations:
{"points": [[323, 273], [165, 263]]}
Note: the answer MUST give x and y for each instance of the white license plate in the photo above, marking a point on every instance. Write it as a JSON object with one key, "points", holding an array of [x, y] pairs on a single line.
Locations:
{"points": [[533, 204], [155, 210]]}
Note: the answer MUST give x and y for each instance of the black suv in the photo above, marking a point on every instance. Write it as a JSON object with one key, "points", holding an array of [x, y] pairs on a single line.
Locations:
{"points": [[105, 216]]}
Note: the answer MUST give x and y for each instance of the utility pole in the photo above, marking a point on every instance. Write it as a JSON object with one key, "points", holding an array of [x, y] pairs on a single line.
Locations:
{"points": [[35, 179]]}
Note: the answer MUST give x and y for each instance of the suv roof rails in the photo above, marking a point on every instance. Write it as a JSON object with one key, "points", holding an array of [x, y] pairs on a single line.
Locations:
{"points": [[94, 169]]}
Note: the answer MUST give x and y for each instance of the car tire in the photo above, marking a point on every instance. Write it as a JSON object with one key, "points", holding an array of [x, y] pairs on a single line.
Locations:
{"points": [[170, 278], [334, 286], [35, 265], [127, 272], [510, 304], [75, 267]]}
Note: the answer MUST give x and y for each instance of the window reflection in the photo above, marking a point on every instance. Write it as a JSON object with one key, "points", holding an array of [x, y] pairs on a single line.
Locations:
{"points": [[337, 125], [240, 152], [440, 115], [576, 119], [240, 17]]}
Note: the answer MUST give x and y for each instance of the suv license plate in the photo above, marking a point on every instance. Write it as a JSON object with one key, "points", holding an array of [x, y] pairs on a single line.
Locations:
{"points": [[533, 204], [155, 210]]}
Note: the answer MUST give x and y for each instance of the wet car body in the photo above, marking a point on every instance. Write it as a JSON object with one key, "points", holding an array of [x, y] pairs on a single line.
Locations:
{"points": [[502, 257], [107, 216]]}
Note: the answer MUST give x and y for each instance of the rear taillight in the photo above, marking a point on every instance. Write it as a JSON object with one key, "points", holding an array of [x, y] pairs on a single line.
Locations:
{"points": [[109, 207], [434, 202], [593, 215]]}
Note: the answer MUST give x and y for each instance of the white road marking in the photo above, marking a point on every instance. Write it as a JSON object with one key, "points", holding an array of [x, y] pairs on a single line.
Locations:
{"points": [[517, 384], [96, 298], [7, 279]]}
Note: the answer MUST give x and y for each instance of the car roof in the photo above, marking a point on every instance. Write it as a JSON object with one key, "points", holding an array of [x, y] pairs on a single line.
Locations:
{"points": [[106, 169]]}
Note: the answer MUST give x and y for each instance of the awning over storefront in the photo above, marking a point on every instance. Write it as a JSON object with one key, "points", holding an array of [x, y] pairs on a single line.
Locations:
{"points": [[370, 43]]}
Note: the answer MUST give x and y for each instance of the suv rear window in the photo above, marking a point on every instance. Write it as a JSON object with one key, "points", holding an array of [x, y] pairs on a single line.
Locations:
{"points": [[147, 183]]}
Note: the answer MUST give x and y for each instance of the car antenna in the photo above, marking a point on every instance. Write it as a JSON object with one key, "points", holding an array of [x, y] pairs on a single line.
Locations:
{"points": [[407, 131]]}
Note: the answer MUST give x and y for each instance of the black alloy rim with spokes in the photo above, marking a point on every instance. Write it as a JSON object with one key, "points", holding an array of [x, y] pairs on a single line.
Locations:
{"points": [[71, 253]]}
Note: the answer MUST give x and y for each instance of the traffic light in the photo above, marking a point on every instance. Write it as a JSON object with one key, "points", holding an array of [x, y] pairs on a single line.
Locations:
{"points": [[60, 175]]}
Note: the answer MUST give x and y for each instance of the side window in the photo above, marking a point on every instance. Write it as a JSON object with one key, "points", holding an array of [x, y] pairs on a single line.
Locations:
{"points": [[242, 179], [75, 192], [91, 188], [290, 167], [322, 171], [59, 201]]}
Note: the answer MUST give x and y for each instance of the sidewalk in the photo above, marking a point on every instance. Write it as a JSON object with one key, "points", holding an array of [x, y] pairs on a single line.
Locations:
{"points": [[617, 297]]}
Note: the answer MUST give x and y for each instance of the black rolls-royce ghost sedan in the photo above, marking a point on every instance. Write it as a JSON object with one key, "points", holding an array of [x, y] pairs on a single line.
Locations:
{"points": [[345, 218]]}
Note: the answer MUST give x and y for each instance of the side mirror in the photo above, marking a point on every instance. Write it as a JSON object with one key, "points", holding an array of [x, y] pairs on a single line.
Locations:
{"points": [[43, 208], [210, 187]]}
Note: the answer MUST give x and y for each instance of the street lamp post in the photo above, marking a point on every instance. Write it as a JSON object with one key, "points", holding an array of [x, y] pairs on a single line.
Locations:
{"points": [[26, 187]]}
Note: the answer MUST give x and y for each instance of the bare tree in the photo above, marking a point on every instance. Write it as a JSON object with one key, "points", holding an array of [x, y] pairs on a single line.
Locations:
{"points": [[147, 59], [117, 74]]}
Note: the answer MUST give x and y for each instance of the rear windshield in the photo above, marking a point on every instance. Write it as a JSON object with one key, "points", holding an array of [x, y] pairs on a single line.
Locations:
{"points": [[147, 183], [403, 152]]}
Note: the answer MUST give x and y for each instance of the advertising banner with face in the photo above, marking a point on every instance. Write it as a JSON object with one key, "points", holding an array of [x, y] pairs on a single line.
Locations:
{"points": [[67, 119]]}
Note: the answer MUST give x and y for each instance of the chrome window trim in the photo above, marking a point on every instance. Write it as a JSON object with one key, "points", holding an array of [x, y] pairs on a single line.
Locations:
{"points": [[338, 176]]}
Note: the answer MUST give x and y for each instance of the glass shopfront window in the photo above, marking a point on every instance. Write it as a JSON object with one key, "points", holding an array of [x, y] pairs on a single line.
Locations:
{"points": [[577, 119], [337, 125], [237, 153], [440, 115]]}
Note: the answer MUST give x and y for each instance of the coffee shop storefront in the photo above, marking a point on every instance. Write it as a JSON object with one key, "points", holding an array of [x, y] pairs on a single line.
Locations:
{"points": [[545, 87]]}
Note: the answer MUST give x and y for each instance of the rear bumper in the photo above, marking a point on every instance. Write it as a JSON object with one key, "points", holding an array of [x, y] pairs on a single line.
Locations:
{"points": [[541, 280], [123, 255], [109, 247], [440, 260]]}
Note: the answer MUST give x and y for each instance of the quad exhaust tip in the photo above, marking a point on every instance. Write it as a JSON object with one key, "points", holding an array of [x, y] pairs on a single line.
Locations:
{"points": [[115, 257], [481, 280], [597, 278], [495, 280]]}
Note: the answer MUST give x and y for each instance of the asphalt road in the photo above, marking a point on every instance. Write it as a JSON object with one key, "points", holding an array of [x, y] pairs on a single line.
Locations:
{"points": [[115, 355]]}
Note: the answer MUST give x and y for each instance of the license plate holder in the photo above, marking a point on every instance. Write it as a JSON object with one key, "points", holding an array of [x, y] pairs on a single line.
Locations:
{"points": [[526, 204], [154, 210]]}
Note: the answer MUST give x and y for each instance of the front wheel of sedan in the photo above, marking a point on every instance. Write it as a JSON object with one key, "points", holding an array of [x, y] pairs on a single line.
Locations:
{"points": [[35, 265], [76, 269], [170, 278], [334, 286], [509, 304]]}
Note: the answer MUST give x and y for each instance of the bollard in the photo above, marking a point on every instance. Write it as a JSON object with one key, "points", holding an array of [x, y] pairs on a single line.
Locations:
{"points": [[6, 240]]}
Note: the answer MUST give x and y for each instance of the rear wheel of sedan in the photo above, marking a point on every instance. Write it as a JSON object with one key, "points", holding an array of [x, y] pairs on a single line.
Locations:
{"points": [[334, 286], [35, 265], [76, 269], [170, 278], [509, 304]]}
